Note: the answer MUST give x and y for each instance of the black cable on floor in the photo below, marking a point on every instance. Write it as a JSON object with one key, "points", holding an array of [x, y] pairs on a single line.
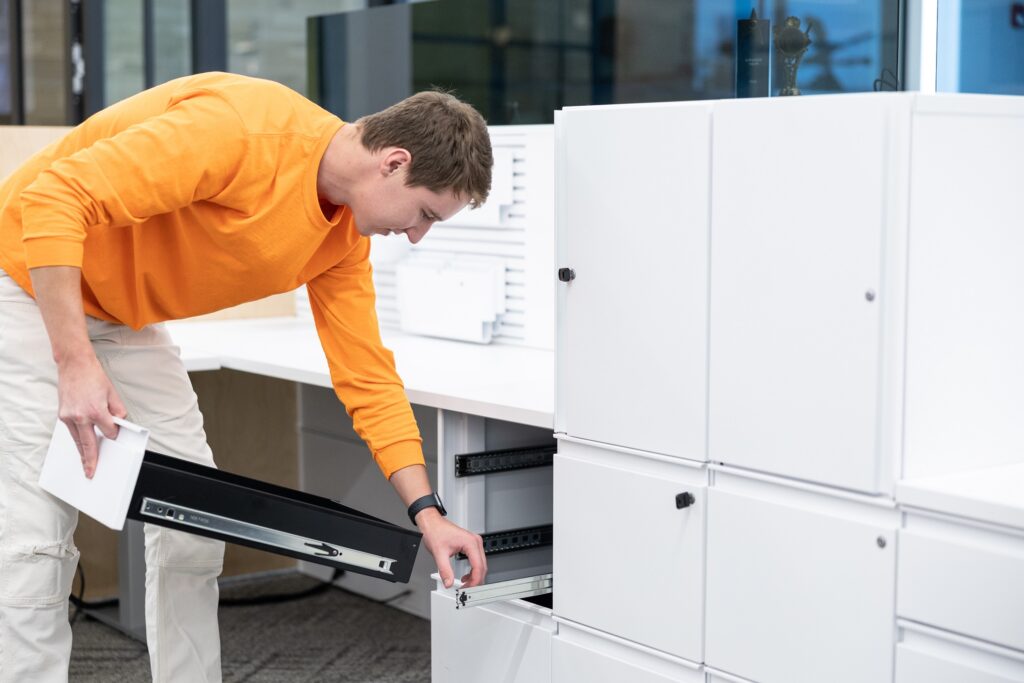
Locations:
{"points": [[79, 600], [268, 599], [281, 597], [81, 604]]}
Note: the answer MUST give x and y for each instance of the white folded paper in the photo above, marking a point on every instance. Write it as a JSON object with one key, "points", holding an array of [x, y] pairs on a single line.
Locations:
{"points": [[107, 495]]}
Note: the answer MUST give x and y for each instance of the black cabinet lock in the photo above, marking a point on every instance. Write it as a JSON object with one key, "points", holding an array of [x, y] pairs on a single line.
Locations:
{"points": [[566, 274], [685, 500]]}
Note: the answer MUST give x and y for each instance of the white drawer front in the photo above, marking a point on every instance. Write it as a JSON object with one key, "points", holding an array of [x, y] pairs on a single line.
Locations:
{"points": [[626, 560], [969, 583], [501, 643], [929, 655], [578, 656], [914, 666]]}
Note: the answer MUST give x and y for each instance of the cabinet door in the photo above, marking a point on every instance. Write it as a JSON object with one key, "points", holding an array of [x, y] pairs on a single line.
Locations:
{"points": [[627, 561], [632, 325], [798, 204], [798, 596]]}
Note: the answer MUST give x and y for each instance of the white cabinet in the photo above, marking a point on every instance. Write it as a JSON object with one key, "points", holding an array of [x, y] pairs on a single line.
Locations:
{"points": [[508, 642], [800, 586], [829, 303], [927, 655], [627, 559], [965, 321], [631, 332], [578, 655], [963, 577], [798, 214]]}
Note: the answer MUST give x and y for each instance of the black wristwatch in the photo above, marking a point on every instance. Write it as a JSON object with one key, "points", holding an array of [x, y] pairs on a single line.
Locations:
{"points": [[431, 500]]}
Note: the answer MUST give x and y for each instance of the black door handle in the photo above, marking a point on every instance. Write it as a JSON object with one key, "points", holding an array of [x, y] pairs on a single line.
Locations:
{"points": [[685, 500], [566, 274]]}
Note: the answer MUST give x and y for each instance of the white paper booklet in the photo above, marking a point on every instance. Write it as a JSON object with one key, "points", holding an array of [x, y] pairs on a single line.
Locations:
{"points": [[107, 495]]}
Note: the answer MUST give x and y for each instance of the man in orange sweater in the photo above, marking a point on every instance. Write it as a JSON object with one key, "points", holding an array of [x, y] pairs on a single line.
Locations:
{"points": [[199, 194]]}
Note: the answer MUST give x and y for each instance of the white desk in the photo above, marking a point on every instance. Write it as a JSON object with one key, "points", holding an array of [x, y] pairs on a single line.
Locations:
{"points": [[507, 383]]}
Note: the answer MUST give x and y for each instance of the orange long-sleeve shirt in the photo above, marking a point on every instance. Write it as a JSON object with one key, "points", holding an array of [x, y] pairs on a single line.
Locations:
{"points": [[200, 194]]}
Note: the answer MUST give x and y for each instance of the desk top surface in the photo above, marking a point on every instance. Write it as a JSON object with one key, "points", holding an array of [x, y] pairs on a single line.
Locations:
{"points": [[990, 494], [511, 383]]}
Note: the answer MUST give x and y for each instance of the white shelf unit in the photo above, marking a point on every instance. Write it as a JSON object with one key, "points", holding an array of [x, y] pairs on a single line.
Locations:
{"points": [[802, 313], [791, 306], [515, 226]]}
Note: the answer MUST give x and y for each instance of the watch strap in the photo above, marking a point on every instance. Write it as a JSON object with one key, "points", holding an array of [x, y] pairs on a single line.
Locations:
{"points": [[431, 500]]}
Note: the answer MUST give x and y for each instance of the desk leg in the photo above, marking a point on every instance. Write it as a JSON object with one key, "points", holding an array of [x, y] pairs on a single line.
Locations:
{"points": [[129, 615], [131, 563]]}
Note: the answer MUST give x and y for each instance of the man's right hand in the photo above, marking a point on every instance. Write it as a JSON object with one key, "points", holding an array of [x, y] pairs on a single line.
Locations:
{"points": [[86, 396]]}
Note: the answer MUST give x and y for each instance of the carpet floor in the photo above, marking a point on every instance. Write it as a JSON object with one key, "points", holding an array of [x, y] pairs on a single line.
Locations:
{"points": [[329, 637]]}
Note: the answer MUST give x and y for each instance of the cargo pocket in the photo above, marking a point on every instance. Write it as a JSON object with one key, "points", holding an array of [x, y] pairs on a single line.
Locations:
{"points": [[37, 576]]}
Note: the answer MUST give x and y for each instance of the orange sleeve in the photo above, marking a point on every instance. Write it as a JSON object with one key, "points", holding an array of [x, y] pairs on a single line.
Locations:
{"points": [[188, 153], [362, 370]]}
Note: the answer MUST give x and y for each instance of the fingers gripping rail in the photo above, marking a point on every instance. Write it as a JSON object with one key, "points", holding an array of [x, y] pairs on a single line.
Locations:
{"points": [[506, 590]]}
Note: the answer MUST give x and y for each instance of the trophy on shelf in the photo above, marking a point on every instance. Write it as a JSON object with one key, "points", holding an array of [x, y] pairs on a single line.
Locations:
{"points": [[791, 43]]}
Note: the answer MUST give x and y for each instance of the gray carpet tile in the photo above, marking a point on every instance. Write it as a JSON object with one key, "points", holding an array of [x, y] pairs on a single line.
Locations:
{"points": [[331, 637]]}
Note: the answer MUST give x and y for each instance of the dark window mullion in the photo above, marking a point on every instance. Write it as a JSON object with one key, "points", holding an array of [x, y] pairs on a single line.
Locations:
{"points": [[209, 35], [148, 44], [15, 60], [95, 95]]}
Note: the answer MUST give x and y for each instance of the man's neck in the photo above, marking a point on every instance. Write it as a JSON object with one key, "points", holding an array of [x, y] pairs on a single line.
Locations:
{"points": [[339, 168]]}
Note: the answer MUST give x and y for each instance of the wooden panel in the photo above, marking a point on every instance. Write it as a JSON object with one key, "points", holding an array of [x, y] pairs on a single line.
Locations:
{"points": [[251, 427], [98, 562], [21, 142], [272, 306]]}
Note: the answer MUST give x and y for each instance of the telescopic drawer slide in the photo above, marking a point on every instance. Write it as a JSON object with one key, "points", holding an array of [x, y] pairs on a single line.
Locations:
{"points": [[208, 502]]}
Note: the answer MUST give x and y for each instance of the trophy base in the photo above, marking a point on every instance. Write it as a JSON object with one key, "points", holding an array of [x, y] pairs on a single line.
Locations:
{"points": [[789, 92]]}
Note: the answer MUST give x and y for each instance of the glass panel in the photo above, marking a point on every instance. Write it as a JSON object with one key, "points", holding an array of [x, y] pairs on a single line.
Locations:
{"points": [[45, 65], [980, 47], [124, 69], [519, 60], [267, 38], [5, 65], [172, 40]]}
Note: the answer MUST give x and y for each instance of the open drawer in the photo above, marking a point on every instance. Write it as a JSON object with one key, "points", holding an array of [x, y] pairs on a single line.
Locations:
{"points": [[506, 640]]}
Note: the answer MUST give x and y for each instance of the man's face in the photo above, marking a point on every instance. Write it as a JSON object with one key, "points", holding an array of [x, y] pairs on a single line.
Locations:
{"points": [[391, 207]]}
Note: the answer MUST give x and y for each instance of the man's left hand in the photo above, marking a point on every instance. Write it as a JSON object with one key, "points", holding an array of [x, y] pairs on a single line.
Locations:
{"points": [[444, 539]]}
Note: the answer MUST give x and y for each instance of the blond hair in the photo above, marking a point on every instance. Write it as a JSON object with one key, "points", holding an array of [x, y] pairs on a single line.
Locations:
{"points": [[447, 138]]}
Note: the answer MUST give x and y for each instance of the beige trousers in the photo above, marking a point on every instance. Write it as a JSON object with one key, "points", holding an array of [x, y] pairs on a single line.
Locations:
{"points": [[37, 551]]}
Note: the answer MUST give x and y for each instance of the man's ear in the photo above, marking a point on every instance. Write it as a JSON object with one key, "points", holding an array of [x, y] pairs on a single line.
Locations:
{"points": [[394, 158]]}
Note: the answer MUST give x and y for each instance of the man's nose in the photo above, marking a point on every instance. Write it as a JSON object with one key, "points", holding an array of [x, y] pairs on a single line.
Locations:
{"points": [[416, 233]]}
